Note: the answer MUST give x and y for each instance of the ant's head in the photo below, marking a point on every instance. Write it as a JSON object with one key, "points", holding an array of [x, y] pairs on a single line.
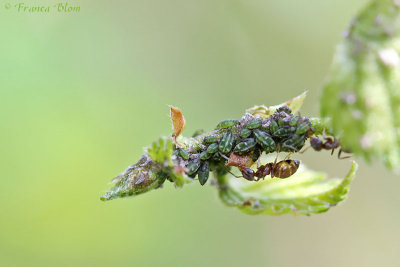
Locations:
{"points": [[316, 143]]}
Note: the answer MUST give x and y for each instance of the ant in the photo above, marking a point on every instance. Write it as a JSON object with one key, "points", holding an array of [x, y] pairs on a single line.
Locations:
{"points": [[328, 143], [282, 169]]}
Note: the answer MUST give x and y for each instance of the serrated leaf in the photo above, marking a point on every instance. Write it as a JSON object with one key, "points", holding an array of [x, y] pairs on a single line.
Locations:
{"points": [[161, 151], [294, 104], [362, 94], [305, 192]]}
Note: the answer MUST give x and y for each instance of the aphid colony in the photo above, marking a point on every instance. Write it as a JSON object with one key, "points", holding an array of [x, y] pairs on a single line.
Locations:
{"points": [[241, 143]]}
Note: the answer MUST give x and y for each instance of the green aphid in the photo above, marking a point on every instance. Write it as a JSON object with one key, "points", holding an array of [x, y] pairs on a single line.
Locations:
{"points": [[197, 147], [225, 124], [282, 132], [245, 133], [192, 167], [273, 127], [303, 127], [176, 152], [245, 146], [281, 122], [254, 124], [198, 132], [293, 144], [210, 139], [294, 121], [216, 157], [204, 172], [237, 139], [256, 154], [226, 144], [267, 143], [211, 149], [184, 154], [205, 155]]}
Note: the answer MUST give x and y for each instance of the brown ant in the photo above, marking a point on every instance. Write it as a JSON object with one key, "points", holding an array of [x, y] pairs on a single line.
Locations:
{"points": [[328, 143], [282, 169]]}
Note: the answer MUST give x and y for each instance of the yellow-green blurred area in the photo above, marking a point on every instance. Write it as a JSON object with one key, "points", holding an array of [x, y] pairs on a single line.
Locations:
{"points": [[81, 95]]}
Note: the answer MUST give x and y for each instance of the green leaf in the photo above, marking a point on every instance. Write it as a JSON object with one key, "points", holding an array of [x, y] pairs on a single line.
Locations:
{"points": [[161, 151], [305, 192], [294, 104], [362, 92]]}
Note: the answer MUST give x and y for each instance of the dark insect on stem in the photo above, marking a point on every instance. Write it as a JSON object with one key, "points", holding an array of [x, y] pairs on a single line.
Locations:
{"points": [[328, 143], [282, 169]]}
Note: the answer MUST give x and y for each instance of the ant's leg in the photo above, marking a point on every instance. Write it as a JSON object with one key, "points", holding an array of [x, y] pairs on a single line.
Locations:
{"points": [[339, 155], [235, 175], [324, 133], [222, 155], [277, 153], [304, 150], [288, 155], [291, 147]]}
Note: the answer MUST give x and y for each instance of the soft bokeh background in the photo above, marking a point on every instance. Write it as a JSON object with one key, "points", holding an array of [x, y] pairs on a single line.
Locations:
{"points": [[81, 94]]}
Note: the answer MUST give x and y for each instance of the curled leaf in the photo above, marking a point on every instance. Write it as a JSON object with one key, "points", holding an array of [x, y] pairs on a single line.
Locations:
{"points": [[178, 121], [294, 104], [150, 172], [305, 192], [138, 178], [362, 92]]}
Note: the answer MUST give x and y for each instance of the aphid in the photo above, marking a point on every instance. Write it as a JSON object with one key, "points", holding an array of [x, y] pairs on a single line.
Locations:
{"points": [[303, 127], [225, 124], [267, 143], [294, 121], [216, 157], [192, 167], [283, 132], [184, 154], [256, 154], [204, 172], [281, 122], [294, 143], [226, 144], [254, 124], [210, 139], [205, 155], [211, 149], [245, 133], [245, 146], [273, 127]]}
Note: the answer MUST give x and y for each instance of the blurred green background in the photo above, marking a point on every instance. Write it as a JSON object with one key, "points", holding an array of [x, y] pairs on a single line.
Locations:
{"points": [[81, 94]]}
